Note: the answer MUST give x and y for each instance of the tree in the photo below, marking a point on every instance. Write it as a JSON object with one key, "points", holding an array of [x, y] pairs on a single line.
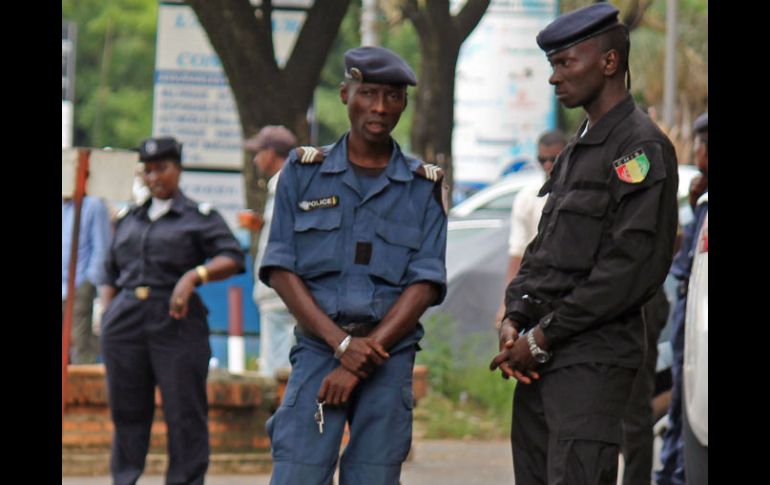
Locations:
{"points": [[242, 37], [441, 35], [113, 70]]}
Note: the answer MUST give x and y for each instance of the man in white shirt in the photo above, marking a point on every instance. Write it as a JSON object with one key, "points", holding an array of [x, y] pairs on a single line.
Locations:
{"points": [[527, 206], [271, 146]]}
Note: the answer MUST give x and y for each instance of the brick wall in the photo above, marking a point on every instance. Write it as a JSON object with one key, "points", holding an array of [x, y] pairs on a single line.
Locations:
{"points": [[239, 405]]}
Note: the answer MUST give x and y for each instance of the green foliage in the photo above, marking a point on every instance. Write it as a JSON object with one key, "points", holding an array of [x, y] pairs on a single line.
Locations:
{"points": [[115, 60], [466, 399]]}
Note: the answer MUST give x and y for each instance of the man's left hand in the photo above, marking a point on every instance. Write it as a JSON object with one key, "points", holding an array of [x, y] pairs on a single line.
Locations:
{"points": [[515, 360], [337, 387]]}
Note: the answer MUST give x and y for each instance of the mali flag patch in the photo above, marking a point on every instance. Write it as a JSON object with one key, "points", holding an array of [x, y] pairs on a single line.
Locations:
{"points": [[632, 168]]}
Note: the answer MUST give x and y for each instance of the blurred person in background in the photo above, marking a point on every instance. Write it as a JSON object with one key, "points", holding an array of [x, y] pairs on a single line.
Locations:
{"points": [[271, 146]]}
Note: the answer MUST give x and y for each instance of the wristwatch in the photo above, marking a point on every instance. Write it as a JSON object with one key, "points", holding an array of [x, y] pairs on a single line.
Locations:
{"points": [[540, 355]]}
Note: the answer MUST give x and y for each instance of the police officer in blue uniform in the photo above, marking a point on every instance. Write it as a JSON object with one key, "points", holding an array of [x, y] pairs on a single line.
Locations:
{"points": [[357, 252], [672, 460], [154, 326], [573, 332]]}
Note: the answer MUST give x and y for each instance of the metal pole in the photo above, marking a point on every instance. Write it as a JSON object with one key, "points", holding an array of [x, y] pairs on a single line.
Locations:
{"points": [[69, 305], [369, 23], [236, 347], [669, 79]]}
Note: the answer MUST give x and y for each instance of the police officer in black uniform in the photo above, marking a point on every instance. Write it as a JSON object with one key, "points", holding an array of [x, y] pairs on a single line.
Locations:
{"points": [[573, 334], [154, 326]]}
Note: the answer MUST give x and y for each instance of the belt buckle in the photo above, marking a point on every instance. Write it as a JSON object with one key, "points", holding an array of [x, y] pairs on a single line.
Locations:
{"points": [[142, 292]]}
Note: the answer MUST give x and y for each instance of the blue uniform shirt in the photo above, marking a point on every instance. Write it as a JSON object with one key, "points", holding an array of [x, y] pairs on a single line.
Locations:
{"points": [[356, 253]]}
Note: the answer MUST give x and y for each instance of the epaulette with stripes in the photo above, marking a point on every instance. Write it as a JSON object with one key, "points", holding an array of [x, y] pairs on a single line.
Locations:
{"points": [[430, 172], [310, 155]]}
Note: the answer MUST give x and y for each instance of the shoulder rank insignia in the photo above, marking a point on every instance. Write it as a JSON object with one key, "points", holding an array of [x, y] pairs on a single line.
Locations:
{"points": [[309, 155], [632, 168], [123, 212], [440, 188], [430, 172], [204, 208]]}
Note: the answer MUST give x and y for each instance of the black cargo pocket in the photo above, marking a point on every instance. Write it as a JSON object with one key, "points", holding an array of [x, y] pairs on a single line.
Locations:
{"points": [[392, 249], [592, 440], [577, 228], [317, 239]]}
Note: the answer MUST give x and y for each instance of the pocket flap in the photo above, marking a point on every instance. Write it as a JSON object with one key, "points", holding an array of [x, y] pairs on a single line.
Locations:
{"points": [[589, 202], [399, 234], [319, 219]]}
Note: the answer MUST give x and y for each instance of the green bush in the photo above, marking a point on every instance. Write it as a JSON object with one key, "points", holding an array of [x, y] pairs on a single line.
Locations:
{"points": [[465, 399]]}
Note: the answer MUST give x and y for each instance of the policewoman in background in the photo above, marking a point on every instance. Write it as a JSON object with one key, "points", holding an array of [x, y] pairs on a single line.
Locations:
{"points": [[154, 326]]}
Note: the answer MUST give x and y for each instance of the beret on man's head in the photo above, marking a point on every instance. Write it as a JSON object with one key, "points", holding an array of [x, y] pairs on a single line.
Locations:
{"points": [[701, 123], [378, 65], [160, 148], [576, 26], [277, 137]]}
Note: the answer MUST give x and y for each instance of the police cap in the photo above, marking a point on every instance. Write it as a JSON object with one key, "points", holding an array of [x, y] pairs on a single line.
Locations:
{"points": [[276, 137], [378, 65], [576, 26], [160, 148], [701, 123]]}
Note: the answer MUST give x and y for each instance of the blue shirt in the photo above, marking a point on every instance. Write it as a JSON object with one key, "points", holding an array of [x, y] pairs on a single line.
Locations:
{"points": [[357, 253], [682, 264], [92, 241]]}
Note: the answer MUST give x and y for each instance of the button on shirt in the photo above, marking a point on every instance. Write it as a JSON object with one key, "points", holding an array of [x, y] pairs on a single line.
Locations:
{"points": [[357, 253], [157, 253], [92, 241]]}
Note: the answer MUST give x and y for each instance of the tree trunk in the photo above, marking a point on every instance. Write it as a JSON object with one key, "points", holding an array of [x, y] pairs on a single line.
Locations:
{"points": [[441, 36], [265, 94]]}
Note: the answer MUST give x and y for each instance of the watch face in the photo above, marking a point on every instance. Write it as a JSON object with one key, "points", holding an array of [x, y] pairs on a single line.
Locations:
{"points": [[541, 357]]}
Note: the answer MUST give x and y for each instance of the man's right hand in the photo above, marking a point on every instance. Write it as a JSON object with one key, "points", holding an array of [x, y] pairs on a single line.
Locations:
{"points": [[363, 356], [337, 386]]}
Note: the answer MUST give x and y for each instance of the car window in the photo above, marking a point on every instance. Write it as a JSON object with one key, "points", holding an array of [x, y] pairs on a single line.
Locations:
{"points": [[501, 203]]}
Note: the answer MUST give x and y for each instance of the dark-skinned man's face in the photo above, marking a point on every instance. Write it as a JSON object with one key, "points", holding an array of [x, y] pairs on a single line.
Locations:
{"points": [[577, 73], [373, 109]]}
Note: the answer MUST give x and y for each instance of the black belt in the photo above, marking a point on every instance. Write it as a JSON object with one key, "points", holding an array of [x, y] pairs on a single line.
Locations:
{"points": [[354, 329]]}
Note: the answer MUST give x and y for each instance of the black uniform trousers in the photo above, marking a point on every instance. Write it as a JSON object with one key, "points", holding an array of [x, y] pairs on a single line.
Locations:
{"points": [[638, 422], [567, 425], [144, 346]]}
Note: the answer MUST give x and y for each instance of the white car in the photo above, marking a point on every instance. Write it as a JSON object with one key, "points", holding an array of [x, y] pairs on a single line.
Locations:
{"points": [[495, 201]]}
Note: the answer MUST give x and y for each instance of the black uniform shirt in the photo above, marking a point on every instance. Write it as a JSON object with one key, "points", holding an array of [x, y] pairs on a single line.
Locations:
{"points": [[157, 254], [604, 245]]}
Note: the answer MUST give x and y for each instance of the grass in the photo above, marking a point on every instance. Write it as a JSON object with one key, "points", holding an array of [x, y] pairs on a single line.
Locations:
{"points": [[465, 400]]}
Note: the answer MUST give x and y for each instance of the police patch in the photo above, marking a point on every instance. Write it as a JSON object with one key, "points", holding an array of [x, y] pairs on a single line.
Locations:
{"points": [[322, 203], [632, 168]]}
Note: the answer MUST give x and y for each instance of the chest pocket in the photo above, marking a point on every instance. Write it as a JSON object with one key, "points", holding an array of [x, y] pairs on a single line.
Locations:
{"points": [[392, 248], [575, 228], [318, 241]]}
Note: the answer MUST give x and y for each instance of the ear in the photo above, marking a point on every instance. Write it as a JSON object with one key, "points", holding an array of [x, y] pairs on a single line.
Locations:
{"points": [[344, 93], [610, 62]]}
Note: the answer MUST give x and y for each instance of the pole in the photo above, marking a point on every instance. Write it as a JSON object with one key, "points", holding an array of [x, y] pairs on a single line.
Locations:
{"points": [[669, 76], [69, 305], [369, 23], [236, 347]]}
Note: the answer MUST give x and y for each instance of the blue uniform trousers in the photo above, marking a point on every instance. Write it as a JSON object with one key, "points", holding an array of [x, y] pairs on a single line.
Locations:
{"points": [[143, 346], [672, 470], [379, 413]]}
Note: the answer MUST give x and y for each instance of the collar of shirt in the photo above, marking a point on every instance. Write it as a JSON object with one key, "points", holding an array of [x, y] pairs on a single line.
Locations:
{"points": [[337, 161], [177, 206], [599, 132]]}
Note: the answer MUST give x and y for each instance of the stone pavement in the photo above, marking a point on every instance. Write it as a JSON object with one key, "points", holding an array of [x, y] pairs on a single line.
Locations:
{"points": [[449, 462]]}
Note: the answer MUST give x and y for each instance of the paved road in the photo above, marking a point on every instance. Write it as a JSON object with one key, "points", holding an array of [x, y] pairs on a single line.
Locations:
{"points": [[433, 461], [448, 462]]}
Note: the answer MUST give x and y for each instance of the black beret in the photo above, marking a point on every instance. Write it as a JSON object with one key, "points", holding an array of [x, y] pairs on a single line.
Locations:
{"points": [[577, 26], [161, 148], [701, 123], [377, 65]]}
